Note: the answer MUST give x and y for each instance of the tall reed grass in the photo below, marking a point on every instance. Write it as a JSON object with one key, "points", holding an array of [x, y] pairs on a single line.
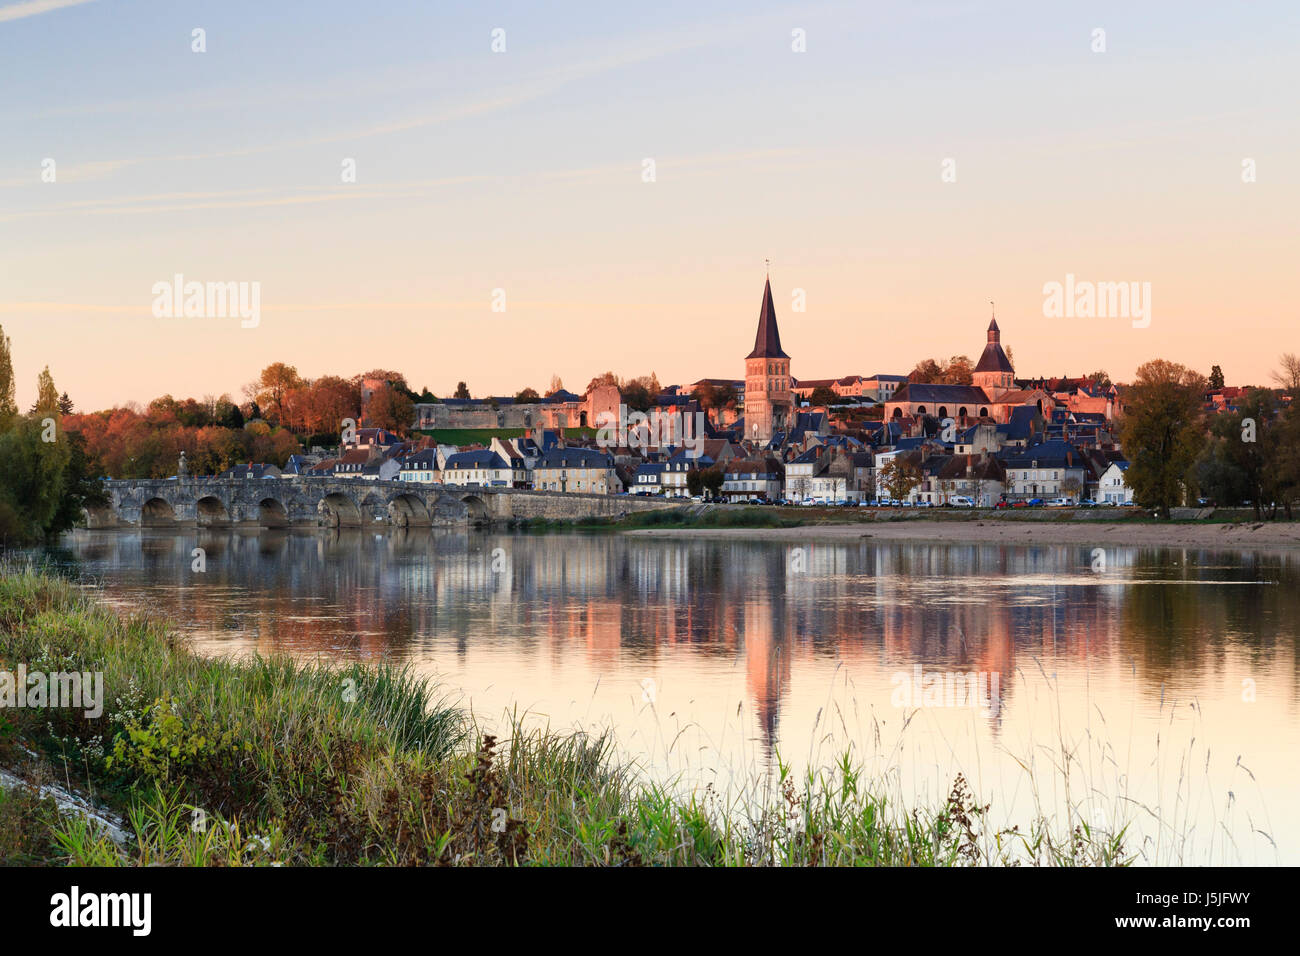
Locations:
{"points": [[268, 761]]}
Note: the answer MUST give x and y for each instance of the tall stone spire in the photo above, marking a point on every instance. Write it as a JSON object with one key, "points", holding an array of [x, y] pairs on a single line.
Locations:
{"points": [[769, 389], [767, 342]]}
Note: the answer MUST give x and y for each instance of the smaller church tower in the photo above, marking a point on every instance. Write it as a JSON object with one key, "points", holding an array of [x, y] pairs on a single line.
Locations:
{"points": [[769, 394], [993, 372]]}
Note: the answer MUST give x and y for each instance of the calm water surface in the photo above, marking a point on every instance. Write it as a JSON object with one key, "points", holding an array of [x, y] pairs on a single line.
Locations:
{"points": [[1160, 689]]}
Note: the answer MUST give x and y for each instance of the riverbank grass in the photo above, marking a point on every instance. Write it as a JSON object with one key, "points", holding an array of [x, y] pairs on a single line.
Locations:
{"points": [[268, 761]]}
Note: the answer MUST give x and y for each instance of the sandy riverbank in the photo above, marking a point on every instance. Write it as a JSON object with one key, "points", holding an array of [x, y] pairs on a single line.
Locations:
{"points": [[1252, 536]]}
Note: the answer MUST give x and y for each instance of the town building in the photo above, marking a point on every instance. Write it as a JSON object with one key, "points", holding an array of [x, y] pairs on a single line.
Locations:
{"points": [[583, 470]]}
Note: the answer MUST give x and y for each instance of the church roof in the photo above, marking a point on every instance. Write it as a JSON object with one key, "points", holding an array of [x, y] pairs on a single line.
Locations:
{"points": [[994, 359], [767, 342], [934, 394]]}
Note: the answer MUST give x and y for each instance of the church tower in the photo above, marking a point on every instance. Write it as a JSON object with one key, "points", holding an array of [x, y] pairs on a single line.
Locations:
{"points": [[769, 398], [993, 372]]}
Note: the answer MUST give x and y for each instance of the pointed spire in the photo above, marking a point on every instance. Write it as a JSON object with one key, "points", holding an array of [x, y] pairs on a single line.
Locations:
{"points": [[767, 342]]}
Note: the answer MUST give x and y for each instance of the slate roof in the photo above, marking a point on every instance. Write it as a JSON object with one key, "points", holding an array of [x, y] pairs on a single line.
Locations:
{"points": [[994, 359], [767, 341], [921, 393], [574, 458]]}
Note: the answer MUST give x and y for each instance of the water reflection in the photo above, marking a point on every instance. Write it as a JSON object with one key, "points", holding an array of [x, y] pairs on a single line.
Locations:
{"points": [[545, 617]]}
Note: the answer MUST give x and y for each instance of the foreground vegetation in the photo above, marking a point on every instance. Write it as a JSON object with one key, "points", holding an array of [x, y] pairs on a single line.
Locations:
{"points": [[271, 762]]}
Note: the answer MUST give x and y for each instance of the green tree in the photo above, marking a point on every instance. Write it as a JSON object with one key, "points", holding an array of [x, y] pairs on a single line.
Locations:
{"points": [[1243, 455], [8, 405], [1216, 378], [637, 397], [32, 480], [47, 396], [1163, 432], [821, 395], [462, 390], [712, 479], [526, 396]]}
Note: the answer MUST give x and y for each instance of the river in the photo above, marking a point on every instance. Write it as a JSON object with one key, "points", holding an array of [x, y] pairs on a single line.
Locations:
{"points": [[1157, 688]]}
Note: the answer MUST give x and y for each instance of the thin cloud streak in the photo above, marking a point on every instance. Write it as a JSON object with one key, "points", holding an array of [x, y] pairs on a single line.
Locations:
{"points": [[34, 8]]}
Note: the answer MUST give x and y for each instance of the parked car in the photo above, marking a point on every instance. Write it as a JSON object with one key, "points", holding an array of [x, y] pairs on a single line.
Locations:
{"points": [[961, 501], [1035, 502], [1061, 503], [1087, 503]]}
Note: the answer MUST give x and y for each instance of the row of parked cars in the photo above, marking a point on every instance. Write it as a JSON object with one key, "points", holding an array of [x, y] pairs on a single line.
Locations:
{"points": [[956, 501]]}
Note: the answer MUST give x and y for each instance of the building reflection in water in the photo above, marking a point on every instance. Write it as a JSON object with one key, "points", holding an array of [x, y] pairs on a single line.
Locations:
{"points": [[618, 602]]}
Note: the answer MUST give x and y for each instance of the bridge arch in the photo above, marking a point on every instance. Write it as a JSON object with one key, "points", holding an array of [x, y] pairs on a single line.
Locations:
{"points": [[157, 511], [271, 513], [478, 510], [211, 510], [405, 509], [340, 510], [101, 516]]}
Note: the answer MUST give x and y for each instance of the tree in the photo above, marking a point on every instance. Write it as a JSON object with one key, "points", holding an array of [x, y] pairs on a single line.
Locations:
{"points": [[959, 371], [557, 385], [1099, 379], [65, 405], [462, 390], [1216, 378], [31, 482], [1163, 432], [637, 397], [526, 396], [227, 414], [712, 479], [695, 482], [927, 372], [821, 395], [390, 408], [272, 385], [332, 399], [47, 396], [1242, 459], [605, 378], [900, 476], [1289, 375], [8, 404]]}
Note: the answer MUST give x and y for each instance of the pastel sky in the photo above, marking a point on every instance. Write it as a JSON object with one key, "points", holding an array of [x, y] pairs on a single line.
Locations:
{"points": [[523, 171]]}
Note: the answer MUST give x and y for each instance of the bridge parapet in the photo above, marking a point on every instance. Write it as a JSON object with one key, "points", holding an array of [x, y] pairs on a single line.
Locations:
{"points": [[353, 502]]}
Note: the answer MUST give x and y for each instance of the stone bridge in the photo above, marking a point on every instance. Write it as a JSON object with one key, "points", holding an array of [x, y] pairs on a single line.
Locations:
{"points": [[348, 502]]}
